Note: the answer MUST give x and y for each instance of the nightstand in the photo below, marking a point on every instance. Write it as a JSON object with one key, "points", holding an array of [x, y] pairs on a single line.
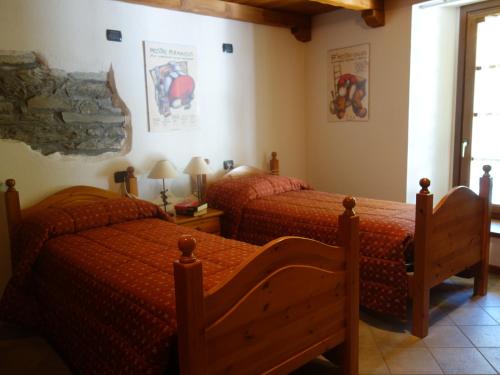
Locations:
{"points": [[209, 223]]}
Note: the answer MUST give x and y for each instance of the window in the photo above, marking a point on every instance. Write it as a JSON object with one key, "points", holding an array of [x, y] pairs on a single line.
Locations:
{"points": [[478, 110]]}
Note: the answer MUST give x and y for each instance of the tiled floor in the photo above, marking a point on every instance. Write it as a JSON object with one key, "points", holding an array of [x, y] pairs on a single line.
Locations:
{"points": [[464, 338]]}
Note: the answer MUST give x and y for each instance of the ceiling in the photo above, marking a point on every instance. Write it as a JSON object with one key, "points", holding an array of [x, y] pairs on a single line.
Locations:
{"points": [[304, 7], [293, 14]]}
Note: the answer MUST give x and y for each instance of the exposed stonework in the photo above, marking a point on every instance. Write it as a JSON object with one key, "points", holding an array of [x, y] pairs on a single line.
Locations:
{"points": [[54, 111]]}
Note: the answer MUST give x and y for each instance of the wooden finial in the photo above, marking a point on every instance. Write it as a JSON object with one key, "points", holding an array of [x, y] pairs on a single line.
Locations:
{"points": [[274, 164], [349, 204], [130, 172], [11, 183], [424, 184], [486, 170], [187, 244]]}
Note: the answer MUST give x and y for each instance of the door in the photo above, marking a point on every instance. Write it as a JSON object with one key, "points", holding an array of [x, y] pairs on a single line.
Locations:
{"points": [[478, 107]]}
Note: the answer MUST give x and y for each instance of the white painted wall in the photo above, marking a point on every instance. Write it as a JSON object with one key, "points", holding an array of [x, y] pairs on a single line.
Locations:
{"points": [[434, 57], [250, 102], [364, 158]]}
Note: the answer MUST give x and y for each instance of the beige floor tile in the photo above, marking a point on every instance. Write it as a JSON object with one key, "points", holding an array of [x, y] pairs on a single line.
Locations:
{"points": [[462, 361], [493, 356], [492, 298], [439, 317], [460, 299], [366, 339], [397, 339], [410, 361], [385, 322], [471, 316], [371, 362], [494, 312], [483, 336], [446, 337]]}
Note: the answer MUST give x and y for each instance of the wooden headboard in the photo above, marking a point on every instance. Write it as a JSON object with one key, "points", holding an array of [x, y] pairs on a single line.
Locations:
{"points": [[245, 170], [64, 198]]}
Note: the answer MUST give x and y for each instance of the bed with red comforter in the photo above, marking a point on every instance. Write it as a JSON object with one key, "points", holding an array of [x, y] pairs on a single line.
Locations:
{"points": [[97, 279], [260, 208]]}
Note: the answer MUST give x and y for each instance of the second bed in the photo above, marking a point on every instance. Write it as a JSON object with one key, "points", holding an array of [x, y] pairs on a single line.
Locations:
{"points": [[405, 249]]}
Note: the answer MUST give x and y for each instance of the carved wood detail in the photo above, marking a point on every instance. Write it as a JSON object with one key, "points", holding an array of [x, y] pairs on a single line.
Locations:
{"points": [[293, 300]]}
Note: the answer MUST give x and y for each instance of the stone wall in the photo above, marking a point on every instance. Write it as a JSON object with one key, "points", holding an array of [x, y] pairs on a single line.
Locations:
{"points": [[54, 111]]}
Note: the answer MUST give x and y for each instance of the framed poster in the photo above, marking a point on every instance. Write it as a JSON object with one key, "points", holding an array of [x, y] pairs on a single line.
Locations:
{"points": [[170, 86], [348, 83]]}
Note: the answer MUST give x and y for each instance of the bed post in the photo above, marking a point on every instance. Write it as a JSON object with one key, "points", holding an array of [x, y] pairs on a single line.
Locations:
{"points": [[131, 182], [423, 217], [481, 276], [349, 239], [189, 300], [12, 206], [274, 164]]}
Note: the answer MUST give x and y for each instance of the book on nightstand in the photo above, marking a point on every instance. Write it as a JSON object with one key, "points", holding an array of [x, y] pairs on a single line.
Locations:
{"points": [[191, 208], [199, 213]]}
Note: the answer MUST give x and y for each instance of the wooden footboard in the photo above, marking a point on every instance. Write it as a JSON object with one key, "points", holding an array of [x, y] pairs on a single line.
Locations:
{"points": [[450, 238], [293, 300]]}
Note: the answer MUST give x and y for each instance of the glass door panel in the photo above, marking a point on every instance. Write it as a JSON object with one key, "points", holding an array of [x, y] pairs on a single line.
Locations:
{"points": [[485, 137]]}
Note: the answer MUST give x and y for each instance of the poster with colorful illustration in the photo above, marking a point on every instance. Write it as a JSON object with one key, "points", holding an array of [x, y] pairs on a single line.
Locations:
{"points": [[348, 83], [171, 86]]}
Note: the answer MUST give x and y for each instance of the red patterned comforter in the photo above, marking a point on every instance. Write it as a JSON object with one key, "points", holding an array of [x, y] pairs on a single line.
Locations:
{"points": [[98, 281], [260, 208]]}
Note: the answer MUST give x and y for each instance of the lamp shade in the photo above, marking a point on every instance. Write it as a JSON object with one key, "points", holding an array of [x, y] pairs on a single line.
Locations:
{"points": [[163, 169], [196, 166]]}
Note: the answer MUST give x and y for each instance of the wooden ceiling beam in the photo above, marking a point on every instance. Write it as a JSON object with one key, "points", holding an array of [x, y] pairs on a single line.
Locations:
{"points": [[300, 25], [374, 17], [372, 10], [353, 4]]}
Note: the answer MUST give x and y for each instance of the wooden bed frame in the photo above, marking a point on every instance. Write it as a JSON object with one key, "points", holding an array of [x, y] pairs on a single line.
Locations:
{"points": [[293, 300], [449, 238]]}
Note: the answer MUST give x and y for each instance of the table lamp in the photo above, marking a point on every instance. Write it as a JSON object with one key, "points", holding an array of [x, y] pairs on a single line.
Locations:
{"points": [[163, 170], [198, 167]]}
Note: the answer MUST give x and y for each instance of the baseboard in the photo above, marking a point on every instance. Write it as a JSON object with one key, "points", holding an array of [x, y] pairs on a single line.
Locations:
{"points": [[494, 269]]}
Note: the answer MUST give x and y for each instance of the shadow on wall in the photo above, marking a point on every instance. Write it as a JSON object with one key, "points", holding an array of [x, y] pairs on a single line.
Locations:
{"points": [[5, 269], [279, 109], [269, 92]]}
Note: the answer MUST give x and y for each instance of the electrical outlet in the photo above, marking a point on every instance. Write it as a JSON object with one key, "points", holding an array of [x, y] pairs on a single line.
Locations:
{"points": [[120, 177], [114, 35], [228, 165], [227, 48]]}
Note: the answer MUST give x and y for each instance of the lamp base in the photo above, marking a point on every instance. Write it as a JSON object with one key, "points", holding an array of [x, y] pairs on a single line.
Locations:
{"points": [[200, 188], [164, 198]]}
